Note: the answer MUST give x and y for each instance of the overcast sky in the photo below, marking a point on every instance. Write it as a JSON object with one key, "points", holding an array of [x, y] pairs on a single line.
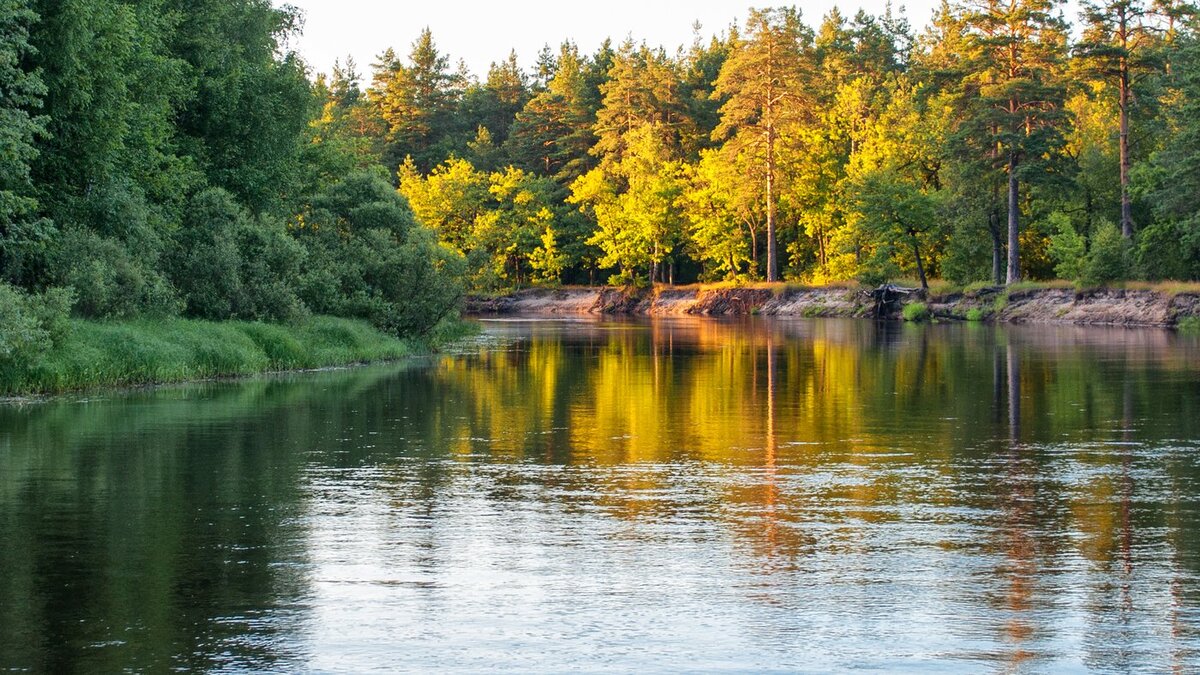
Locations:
{"points": [[482, 32]]}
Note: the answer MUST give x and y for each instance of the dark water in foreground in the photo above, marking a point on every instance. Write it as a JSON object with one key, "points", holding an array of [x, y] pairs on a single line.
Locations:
{"points": [[755, 496]]}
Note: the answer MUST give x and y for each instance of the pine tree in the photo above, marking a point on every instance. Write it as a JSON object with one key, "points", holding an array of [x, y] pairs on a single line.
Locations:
{"points": [[1119, 44], [418, 102], [1014, 94], [764, 83]]}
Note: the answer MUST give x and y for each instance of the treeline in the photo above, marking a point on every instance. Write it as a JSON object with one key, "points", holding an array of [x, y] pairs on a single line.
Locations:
{"points": [[996, 144], [163, 158], [157, 159]]}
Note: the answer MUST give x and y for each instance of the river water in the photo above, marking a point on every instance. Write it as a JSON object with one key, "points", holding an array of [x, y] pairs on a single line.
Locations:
{"points": [[683, 495]]}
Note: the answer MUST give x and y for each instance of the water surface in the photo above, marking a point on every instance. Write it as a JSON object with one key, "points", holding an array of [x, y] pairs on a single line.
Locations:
{"points": [[610, 496]]}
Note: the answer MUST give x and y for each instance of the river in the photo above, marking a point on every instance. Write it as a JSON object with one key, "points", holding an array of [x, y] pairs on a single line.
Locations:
{"points": [[599, 495]]}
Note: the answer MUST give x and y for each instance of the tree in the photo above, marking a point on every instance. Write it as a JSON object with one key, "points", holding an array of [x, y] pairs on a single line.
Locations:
{"points": [[634, 204], [1014, 94], [552, 135], [763, 81], [449, 201], [894, 208], [644, 91], [1118, 43], [21, 92], [417, 102], [725, 215]]}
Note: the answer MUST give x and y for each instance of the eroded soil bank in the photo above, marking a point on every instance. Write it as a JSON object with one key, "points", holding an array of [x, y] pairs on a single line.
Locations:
{"points": [[1033, 305]]}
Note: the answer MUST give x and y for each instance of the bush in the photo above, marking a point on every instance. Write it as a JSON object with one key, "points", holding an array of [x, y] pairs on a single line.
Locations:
{"points": [[227, 265], [915, 312], [1189, 324], [1068, 248], [395, 274], [1164, 251], [1108, 260], [974, 314], [30, 325], [108, 279]]}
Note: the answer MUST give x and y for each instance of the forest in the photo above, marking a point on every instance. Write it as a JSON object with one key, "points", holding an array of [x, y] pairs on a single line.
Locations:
{"points": [[164, 158]]}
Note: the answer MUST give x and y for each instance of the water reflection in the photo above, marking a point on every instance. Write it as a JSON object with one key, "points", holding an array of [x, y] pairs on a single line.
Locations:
{"points": [[747, 495]]}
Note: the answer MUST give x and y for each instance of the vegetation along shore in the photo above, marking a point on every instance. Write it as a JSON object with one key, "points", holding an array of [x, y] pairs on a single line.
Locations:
{"points": [[168, 166]]}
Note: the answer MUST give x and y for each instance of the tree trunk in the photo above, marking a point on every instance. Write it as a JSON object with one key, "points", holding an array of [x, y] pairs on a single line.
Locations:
{"points": [[920, 268], [1126, 201], [997, 246], [1014, 221], [772, 254]]}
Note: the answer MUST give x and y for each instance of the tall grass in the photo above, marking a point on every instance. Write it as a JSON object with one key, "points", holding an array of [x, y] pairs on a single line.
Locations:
{"points": [[96, 354]]}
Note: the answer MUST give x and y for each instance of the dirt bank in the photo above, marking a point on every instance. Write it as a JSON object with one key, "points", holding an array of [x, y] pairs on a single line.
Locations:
{"points": [[1111, 307]]}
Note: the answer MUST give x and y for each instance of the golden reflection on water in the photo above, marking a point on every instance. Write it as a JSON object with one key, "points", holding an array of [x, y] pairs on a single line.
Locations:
{"points": [[1020, 498]]}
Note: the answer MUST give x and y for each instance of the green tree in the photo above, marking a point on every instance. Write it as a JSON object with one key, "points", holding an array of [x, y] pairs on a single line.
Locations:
{"points": [[1119, 44], [1014, 94], [634, 203], [763, 81], [552, 135], [21, 92], [418, 102]]}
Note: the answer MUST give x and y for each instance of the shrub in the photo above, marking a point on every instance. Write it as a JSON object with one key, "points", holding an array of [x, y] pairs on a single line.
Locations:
{"points": [[1068, 248], [108, 279], [31, 324], [395, 274], [227, 265], [1165, 251], [974, 314], [1108, 259], [1189, 324], [916, 312]]}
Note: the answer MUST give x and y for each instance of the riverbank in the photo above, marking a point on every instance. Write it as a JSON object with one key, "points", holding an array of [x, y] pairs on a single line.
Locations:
{"points": [[129, 353], [1025, 303]]}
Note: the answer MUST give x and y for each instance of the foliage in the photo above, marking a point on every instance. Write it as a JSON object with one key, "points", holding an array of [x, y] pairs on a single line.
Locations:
{"points": [[1068, 248], [30, 325], [227, 265], [915, 312], [161, 158], [369, 258], [1108, 259], [109, 280]]}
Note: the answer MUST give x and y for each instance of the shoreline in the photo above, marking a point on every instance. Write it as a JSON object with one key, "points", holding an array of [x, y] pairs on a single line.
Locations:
{"points": [[128, 355], [1021, 304]]}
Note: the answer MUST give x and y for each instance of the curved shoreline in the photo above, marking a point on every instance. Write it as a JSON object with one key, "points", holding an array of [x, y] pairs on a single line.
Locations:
{"points": [[1090, 307]]}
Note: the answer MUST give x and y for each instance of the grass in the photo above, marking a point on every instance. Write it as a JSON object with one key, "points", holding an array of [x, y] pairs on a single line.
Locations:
{"points": [[1166, 287], [99, 354], [974, 314], [1189, 325], [915, 312]]}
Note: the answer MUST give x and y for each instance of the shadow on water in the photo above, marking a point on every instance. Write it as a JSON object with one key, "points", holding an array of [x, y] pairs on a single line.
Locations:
{"points": [[747, 494]]}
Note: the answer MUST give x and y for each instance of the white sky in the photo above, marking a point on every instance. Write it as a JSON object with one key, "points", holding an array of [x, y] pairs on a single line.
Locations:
{"points": [[481, 32]]}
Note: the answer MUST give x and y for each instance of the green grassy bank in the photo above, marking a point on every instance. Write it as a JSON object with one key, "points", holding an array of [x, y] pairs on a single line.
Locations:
{"points": [[99, 354]]}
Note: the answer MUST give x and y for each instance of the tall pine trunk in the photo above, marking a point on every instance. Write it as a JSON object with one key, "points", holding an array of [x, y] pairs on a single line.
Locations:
{"points": [[1014, 221], [1126, 201], [997, 245], [772, 245]]}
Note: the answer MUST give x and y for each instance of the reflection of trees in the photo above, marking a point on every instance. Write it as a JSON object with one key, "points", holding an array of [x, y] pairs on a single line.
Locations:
{"points": [[843, 424], [155, 522]]}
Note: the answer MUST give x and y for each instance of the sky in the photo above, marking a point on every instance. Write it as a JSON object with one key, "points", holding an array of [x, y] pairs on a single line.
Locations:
{"points": [[482, 32]]}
